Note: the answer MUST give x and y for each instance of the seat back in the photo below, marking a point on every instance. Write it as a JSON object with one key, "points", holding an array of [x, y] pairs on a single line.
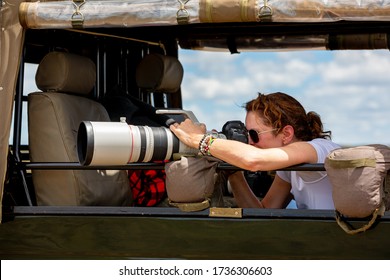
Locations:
{"points": [[54, 116], [159, 73], [155, 73]]}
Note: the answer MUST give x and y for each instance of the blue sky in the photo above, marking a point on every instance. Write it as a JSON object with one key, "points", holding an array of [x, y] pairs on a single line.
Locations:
{"points": [[349, 89]]}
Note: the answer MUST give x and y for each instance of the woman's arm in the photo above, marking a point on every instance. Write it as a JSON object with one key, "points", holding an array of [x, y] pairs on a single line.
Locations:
{"points": [[246, 156], [252, 158], [277, 197], [242, 193], [279, 194]]}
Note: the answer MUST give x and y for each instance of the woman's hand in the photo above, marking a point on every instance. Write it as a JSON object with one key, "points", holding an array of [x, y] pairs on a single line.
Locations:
{"points": [[189, 132]]}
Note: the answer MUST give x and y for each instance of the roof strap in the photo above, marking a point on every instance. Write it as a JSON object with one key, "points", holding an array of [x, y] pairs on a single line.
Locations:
{"points": [[182, 15], [78, 17], [265, 12]]}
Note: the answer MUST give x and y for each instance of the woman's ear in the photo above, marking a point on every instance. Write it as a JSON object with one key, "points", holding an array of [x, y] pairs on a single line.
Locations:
{"points": [[288, 134]]}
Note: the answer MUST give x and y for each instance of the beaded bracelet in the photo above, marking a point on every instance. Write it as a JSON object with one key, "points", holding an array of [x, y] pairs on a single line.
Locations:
{"points": [[205, 143]]}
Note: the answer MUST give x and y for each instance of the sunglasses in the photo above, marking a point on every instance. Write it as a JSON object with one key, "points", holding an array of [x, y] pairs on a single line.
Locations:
{"points": [[254, 134]]}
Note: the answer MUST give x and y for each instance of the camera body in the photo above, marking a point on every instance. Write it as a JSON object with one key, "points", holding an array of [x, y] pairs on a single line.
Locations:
{"points": [[235, 130]]}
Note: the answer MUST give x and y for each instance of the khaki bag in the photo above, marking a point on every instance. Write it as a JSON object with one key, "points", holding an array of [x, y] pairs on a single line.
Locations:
{"points": [[191, 183], [361, 185]]}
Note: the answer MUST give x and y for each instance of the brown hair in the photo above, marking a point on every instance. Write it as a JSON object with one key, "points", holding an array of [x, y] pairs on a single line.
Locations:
{"points": [[279, 109]]}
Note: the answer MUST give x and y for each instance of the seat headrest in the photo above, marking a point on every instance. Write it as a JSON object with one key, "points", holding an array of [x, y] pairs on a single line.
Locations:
{"points": [[67, 73], [159, 73]]}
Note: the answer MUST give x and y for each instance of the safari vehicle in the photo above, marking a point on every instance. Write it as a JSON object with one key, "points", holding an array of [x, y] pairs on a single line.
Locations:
{"points": [[116, 36]]}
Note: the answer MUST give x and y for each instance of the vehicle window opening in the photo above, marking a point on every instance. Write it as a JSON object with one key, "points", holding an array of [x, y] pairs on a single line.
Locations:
{"points": [[121, 57]]}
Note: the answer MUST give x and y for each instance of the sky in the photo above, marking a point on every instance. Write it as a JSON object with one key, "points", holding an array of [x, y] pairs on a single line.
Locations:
{"points": [[348, 89]]}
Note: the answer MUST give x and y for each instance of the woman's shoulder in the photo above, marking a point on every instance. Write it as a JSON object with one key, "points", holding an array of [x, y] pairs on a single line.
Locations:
{"points": [[323, 147], [324, 142]]}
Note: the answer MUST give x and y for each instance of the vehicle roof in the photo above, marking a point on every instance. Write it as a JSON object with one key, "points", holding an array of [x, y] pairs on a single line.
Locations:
{"points": [[93, 14]]}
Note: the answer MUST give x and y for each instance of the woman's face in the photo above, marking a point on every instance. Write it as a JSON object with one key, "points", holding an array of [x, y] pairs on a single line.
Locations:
{"points": [[265, 133]]}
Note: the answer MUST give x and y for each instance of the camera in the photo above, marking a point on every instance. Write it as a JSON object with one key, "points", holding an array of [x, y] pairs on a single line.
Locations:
{"points": [[119, 143], [235, 130]]}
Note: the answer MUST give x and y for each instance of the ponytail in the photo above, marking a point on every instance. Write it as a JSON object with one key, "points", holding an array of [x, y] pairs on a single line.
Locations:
{"points": [[315, 126]]}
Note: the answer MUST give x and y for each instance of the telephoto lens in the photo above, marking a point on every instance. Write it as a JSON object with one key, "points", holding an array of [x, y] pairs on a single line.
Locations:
{"points": [[117, 143]]}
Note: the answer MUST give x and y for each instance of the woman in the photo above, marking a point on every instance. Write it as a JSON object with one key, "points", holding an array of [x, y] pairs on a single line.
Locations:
{"points": [[281, 134]]}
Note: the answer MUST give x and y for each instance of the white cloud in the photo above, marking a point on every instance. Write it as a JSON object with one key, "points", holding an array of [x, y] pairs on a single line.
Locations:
{"points": [[271, 73]]}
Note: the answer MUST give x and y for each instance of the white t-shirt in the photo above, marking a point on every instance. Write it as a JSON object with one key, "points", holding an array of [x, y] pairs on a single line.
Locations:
{"points": [[312, 189]]}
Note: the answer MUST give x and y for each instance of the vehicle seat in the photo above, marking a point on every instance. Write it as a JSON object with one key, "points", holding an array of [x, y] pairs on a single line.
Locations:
{"points": [[54, 116], [159, 73], [155, 73]]}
